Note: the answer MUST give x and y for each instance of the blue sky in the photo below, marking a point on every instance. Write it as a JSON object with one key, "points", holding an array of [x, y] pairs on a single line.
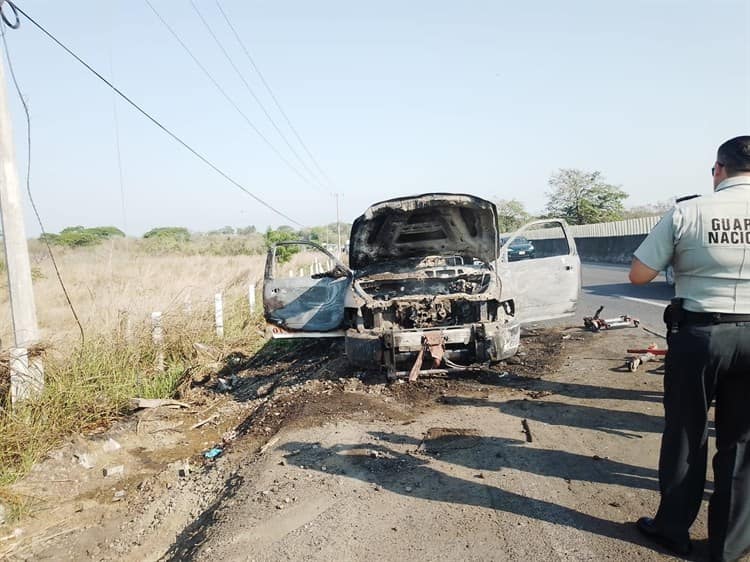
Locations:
{"points": [[393, 98]]}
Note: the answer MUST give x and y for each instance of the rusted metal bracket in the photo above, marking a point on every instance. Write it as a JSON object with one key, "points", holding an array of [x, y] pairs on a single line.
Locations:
{"points": [[434, 344]]}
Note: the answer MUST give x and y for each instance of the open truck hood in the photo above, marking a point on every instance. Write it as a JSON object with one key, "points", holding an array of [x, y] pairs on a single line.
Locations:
{"points": [[434, 224]]}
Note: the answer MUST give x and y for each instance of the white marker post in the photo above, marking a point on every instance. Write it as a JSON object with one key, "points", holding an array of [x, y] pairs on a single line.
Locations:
{"points": [[219, 314], [251, 297], [157, 335]]}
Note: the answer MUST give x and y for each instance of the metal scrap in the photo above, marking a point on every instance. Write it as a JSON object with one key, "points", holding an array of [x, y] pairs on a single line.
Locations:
{"points": [[651, 353], [527, 430], [595, 323], [434, 344]]}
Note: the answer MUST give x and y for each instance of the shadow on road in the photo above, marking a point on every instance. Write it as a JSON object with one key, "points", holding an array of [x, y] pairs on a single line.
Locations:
{"points": [[615, 422], [413, 477]]}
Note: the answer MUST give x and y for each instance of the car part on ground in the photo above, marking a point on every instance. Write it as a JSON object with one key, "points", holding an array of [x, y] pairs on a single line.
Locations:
{"points": [[651, 353]]}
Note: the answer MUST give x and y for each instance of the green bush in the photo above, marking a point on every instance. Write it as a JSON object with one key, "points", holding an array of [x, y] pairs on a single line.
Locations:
{"points": [[283, 234], [77, 236], [177, 233]]}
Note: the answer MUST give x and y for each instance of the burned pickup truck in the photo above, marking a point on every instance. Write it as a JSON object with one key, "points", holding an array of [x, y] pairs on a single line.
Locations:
{"points": [[428, 286]]}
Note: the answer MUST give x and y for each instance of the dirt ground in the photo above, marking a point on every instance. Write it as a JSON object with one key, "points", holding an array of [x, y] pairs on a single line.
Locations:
{"points": [[551, 455]]}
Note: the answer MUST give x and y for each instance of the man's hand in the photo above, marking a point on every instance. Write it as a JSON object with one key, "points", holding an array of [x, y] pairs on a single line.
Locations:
{"points": [[640, 273]]}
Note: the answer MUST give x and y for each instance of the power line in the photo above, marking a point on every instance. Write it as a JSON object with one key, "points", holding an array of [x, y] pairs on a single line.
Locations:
{"points": [[250, 90], [226, 96], [273, 96], [153, 120]]}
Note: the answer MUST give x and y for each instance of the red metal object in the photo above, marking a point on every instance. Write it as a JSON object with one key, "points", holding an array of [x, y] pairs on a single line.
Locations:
{"points": [[651, 353]]}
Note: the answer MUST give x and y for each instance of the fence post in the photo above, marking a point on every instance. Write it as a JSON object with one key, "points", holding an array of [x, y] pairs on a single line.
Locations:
{"points": [[26, 377], [123, 325], [157, 335], [219, 315], [251, 297]]}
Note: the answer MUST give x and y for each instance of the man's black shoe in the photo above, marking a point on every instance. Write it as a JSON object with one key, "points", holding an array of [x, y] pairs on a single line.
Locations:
{"points": [[647, 527]]}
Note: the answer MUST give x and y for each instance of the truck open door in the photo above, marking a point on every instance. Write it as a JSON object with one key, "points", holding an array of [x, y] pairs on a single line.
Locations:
{"points": [[303, 291], [545, 281]]}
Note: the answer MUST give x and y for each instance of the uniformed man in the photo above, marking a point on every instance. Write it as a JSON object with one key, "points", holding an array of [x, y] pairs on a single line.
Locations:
{"points": [[707, 239]]}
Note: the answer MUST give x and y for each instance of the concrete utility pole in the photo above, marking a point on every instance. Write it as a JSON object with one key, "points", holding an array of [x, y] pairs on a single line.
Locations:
{"points": [[23, 308]]}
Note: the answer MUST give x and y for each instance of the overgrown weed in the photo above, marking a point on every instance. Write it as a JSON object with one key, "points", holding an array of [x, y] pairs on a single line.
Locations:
{"points": [[92, 384]]}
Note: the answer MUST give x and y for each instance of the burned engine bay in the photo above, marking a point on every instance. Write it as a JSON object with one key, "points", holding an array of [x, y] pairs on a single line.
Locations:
{"points": [[429, 292]]}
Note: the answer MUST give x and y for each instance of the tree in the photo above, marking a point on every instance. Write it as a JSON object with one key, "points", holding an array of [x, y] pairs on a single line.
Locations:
{"points": [[75, 236], [511, 214], [176, 233], [282, 234], [650, 210], [246, 231], [583, 197]]}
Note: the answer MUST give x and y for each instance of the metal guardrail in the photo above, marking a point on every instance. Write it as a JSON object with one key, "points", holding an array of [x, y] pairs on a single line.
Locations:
{"points": [[629, 227]]}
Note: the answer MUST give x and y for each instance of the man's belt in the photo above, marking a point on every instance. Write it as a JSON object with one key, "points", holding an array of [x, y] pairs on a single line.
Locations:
{"points": [[690, 317]]}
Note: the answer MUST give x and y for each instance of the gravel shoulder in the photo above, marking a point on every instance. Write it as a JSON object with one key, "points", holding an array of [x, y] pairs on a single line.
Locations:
{"points": [[550, 457]]}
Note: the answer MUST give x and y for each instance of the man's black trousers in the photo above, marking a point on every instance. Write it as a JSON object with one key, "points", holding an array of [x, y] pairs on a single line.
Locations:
{"points": [[706, 363]]}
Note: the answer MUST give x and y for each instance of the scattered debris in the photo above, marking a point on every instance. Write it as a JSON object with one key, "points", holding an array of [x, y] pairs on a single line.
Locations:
{"points": [[651, 353], [598, 458], [229, 436], [264, 389], [85, 460], [17, 532], [212, 453], [119, 495], [536, 394], [268, 445], [110, 445], [527, 430], [183, 471], [146, 403], [207, 350], [223, 385], [595, 324], [117, 470], [204, 422]]}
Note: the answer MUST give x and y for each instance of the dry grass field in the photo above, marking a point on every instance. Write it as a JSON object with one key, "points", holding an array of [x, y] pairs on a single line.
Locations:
{"points": [[118, 277], [90, 382]]}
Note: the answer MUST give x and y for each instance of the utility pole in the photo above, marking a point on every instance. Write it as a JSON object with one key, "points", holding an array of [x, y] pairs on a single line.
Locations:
{"points": [[28, 378], [338, 227]]}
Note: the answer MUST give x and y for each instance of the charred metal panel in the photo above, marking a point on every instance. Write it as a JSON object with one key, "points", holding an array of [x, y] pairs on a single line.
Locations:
{"points": [[294, 304], [433, 224]]}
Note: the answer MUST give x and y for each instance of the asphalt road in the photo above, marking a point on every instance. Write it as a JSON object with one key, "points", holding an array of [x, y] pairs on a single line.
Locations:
{"points": [[608, 285]]}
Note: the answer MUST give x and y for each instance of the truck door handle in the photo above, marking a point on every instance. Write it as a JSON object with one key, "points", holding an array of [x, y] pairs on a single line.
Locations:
{"points": [[568, 267]]}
